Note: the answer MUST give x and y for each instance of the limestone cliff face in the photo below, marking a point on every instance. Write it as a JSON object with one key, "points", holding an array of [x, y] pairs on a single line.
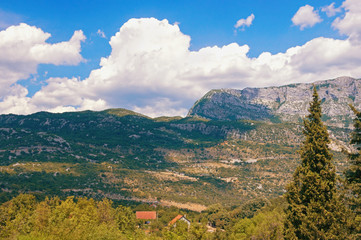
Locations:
{"points": [[286, 103]]}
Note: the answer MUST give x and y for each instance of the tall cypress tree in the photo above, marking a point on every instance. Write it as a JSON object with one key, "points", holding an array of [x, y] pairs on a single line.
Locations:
{"points": [[314, 211], [353, 175]]}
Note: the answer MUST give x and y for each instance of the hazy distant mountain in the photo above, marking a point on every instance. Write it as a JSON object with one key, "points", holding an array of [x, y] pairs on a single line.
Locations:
{"points": [[286, 103]]}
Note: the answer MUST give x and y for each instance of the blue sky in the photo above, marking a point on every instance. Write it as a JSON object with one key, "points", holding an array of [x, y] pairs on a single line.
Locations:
{"points": [[151, 82]]}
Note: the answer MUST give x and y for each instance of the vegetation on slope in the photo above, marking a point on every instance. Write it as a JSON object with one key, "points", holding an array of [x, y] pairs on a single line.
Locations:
{"points": [[314, 208], [212, 160], [25, 217], [129, 157], [353, 176]]}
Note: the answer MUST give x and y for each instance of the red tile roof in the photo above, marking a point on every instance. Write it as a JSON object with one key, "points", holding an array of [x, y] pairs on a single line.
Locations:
{"points": [[175, 219], [146, 215]]}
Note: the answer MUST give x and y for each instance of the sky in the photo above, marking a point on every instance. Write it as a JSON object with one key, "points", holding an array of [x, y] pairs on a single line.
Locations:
{"points": [[159, 57]]}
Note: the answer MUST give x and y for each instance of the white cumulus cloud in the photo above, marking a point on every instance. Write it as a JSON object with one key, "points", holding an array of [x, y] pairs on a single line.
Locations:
{"points": [[306, 16], [350, 24], [23, 48], [244, 22], [152, 70]]}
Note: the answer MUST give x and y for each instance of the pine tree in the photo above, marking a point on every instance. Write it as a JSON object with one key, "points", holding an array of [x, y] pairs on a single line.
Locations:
{"points": [[314, 210], [353, 175]]}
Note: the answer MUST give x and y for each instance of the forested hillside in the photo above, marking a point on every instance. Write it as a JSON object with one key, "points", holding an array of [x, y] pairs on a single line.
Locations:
{"points": [[126, 156], [83, 175]]}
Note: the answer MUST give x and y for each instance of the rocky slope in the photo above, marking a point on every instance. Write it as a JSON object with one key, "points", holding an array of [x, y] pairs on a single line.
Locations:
{"points": [[126, 156], [286, 103]]}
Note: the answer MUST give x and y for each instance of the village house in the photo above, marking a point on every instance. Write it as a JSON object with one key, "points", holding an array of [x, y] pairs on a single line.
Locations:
{"points": [[147, 216], [179, 218]]}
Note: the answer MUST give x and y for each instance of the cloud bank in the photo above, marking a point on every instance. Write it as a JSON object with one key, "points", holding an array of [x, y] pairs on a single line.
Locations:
{"points": [[151, 69]]}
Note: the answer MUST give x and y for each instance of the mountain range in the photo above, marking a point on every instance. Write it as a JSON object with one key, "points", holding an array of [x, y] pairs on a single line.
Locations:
{"points": [[236, 143]]}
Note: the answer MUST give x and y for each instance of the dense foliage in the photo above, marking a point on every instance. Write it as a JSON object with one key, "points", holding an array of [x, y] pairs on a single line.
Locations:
{"points": [[125, 156], [353, 175], [315, 210], [24, 217], [83, 157]]}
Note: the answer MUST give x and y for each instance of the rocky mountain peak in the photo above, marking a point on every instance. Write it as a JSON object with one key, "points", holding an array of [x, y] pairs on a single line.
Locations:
{"points": [[286, 103]]}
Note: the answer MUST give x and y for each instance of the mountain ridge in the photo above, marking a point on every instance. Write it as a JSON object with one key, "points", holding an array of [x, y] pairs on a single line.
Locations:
{"points": [[127, 156], [286, 103]]}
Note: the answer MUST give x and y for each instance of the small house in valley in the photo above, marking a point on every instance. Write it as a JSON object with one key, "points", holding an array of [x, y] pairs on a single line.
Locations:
{"points": [[179, 218], [147, 216]]}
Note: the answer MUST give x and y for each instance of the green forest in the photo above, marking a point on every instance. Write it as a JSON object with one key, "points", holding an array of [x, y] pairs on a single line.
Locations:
{"points": [[25, 217], [319, 203]]}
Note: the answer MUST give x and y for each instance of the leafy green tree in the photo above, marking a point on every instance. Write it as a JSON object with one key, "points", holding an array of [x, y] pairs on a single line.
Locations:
{"points": [[105, 210], [267, 224], [353, 175], [218, 216], [180, 230], [15, 216], [249, 209], [243, 229], [125, 219], [198, 231], [79, 218], [315, 210]]}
